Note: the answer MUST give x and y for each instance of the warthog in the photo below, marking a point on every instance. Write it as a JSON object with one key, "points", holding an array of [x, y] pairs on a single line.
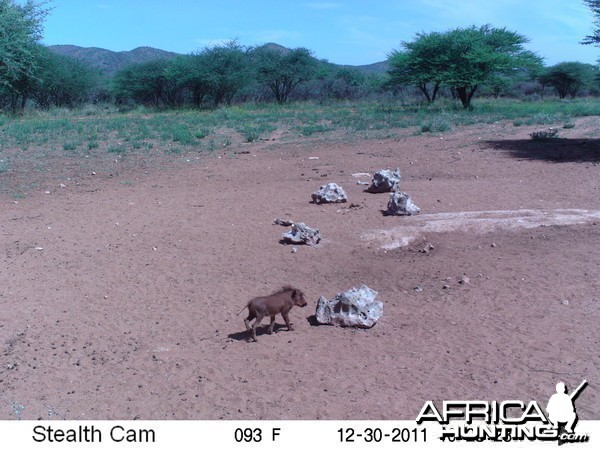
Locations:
{"points": [[279, 302]]}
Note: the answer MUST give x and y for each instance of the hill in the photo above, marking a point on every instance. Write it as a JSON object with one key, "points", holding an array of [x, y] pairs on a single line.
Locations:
{"points": [[373, 69], [367, 69], [109, 61]]}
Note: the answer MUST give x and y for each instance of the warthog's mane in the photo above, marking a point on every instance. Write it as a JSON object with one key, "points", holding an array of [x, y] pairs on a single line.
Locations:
{"points": [[287, 288]]}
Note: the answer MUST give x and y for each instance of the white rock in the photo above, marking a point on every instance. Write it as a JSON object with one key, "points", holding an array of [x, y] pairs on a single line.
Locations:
{"points": [[330, 193], [353, 308], [385, 181], [302, 234], [400, 204]]}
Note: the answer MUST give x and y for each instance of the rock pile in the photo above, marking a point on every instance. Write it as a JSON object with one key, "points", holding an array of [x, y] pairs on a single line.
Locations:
{"points": [[400, 203]]}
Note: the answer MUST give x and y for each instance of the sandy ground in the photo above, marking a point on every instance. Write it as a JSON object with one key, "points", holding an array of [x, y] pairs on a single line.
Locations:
{"points": [[119, 292]]}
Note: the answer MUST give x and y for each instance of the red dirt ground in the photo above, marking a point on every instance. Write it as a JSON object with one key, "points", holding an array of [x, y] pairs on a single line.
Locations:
{"points": [[119, 293]]}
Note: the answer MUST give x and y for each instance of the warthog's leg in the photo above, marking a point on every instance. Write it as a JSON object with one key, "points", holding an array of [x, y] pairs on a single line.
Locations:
{"points": [[247, 320], [259, 317], [272, 324], [286, 317]]}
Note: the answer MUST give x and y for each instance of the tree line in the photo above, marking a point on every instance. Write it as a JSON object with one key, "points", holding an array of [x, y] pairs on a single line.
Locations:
{"points": [[219, 74], [459, 63]]}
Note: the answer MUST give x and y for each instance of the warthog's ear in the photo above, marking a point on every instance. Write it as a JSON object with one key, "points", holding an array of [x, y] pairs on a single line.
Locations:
{"points": [[294, 294]]}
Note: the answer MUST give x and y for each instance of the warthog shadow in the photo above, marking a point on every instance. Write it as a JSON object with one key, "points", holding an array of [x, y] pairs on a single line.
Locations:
{"points": [[260, 330]]}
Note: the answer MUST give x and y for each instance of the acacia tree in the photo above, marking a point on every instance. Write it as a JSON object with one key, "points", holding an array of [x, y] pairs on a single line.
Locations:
{"points": [[569, 78], [499, 84], [222, 70], [61, 81], [283, 70], [421, 64], [191, 74], [462, 59], [594, 5], [345, 83], [20, 33], [148, 83]]}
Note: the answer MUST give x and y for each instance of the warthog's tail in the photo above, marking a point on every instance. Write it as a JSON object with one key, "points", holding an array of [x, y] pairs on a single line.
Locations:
{"points": [[241, 310]]}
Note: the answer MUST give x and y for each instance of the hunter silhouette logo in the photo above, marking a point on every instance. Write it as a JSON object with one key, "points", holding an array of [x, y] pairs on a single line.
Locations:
{"points": [[509, 420], [561, 410]]}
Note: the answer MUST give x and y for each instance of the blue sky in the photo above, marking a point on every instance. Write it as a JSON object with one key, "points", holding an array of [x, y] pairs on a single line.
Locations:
{"points": [[344, 32]]}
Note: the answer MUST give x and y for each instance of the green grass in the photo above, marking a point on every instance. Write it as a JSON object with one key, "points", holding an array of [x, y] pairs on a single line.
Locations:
{"points": [[312, 128], [118, 149], [201, 134], [30, 144], [70, 146], [437, 123], [91, 129], [254, 131]]}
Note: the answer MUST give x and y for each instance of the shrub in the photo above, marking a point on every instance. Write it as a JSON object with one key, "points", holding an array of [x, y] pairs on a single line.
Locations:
{"points": [[437, 124], [541, 135]]}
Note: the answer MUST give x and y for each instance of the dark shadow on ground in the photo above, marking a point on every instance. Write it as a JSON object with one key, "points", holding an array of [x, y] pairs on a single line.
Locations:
{"points": [[260, 330], [312, 320], [552, 150], [241, 336]]}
